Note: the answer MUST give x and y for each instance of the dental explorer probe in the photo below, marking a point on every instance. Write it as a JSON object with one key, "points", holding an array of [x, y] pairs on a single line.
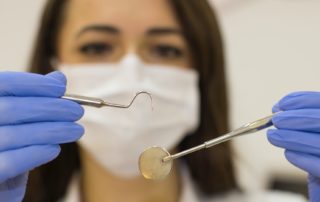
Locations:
{"points": [[155, 162], [97, 102]]}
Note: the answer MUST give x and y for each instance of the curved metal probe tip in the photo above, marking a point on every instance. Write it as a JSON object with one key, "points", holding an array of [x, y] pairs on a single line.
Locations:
{"points": [[133, 99]]}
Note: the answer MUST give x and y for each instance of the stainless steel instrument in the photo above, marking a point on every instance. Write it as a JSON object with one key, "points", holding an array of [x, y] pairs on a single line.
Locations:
{"points": [[97, 102], [155, 162]]}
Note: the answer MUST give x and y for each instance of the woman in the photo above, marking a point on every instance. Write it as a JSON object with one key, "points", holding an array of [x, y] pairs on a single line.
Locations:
{"points": [[111, 49]]}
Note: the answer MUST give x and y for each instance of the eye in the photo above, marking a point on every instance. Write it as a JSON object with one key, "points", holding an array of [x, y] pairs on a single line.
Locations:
{"points": [[167, 51], [96, 48]]}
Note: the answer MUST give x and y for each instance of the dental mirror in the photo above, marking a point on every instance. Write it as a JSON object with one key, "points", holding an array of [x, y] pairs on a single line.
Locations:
{"points": [[155, 162], [151, 163]]}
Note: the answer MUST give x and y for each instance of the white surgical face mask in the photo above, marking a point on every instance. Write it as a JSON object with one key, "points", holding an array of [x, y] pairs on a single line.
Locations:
{"points": [[116, 137]]}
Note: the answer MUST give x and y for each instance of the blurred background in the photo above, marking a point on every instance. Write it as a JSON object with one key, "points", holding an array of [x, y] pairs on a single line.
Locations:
{"points": [[272, 48]]}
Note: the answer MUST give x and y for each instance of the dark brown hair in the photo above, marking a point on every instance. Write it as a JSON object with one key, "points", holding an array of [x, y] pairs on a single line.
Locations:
{"points": [[212, 170]]}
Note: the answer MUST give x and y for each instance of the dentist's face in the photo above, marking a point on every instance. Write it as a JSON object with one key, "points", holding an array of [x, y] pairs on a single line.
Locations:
{"points": [[103, 31]]}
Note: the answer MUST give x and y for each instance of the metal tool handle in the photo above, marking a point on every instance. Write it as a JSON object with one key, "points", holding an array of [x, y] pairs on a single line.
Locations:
{"points": [[97, 102], [84, 100], [245, 129]]}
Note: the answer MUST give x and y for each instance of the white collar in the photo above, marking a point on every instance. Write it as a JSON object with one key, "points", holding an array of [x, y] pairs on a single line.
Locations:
{"points": [[188, 193]]}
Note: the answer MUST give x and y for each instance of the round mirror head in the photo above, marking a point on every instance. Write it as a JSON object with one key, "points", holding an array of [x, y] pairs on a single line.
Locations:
{"points": [[151, 163]]}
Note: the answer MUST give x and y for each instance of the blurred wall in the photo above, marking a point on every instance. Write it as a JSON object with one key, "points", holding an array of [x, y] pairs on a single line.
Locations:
{"points": [[18, 20], [272, 48]]}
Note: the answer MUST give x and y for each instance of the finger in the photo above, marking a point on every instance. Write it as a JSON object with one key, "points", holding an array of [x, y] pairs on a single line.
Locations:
{"points": [[57, 75], [300, 100], [18, 110], [295, 140], [314, 188], [14, 188], [300, 119], [304, 161], [17, 136], [276, 108], [29, 84], [16, 162]]}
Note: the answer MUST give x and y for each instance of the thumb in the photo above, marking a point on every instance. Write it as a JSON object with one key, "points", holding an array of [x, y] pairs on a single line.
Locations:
{"points": [[314, 188], [14, 189], [59, 76]]}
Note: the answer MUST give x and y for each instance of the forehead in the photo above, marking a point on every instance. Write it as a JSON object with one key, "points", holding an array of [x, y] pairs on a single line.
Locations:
{"points": [[125, 14]]}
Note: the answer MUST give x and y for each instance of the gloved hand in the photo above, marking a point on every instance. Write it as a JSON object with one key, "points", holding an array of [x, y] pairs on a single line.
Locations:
{"points": [[34, 120], [298, 132]]}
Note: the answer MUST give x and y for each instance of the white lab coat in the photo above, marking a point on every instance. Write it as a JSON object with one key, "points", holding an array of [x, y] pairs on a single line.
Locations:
{"points": [[189, 194]]}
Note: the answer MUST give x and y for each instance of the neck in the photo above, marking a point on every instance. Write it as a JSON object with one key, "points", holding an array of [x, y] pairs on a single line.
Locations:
{"points": [[101, 185]]}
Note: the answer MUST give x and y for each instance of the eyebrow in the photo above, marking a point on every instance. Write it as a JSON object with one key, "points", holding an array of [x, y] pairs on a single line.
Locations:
{"points": [[99, 28], [163, 31], [113, 30]]}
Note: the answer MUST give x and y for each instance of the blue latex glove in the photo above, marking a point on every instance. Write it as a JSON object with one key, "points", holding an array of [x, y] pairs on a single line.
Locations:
{"points": [[298, 132], [34, 120]]}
